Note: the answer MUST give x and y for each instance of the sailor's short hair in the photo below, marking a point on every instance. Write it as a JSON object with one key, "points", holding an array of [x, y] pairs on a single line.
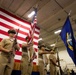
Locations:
{"points": [[11, 31]]}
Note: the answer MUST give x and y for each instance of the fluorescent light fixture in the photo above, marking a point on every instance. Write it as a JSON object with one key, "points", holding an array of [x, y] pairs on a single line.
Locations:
{"points": [[31, 14], [58, 31], [39, 39], [52, 45]]}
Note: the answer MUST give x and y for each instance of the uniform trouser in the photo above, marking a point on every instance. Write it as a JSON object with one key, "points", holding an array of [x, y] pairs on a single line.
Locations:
{"points": [[30, 64], [30, 68], [41, 67], [52, 69], [5, 67], [24, 65], [45, 72]]}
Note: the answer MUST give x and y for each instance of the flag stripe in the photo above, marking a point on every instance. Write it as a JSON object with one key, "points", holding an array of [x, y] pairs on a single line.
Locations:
{"points": [[0, 39], [36, 49], [6, 13], [18, 57], [35, 43], [17, 24], [20, 38], [36, 32], [36, 37], [13, 25], [17, 60], [18, 53], [9, 27], [4, 36]]}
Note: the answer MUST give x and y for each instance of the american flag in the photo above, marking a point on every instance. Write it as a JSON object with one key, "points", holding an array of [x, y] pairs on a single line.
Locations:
{"points": [[9, 21], [32, 31], [33, 25]]}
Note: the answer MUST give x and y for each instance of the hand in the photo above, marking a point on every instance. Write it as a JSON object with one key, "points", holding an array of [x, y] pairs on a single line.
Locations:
{"points": [[31, 59], [15, 41], [58, 65], [30, 44], [52, 52], [8, 51]]}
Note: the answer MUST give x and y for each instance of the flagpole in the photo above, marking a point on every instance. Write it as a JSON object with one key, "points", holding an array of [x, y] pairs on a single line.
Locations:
{"points": [[56, 42], [69, 13], [17, 33], [58, 59], [38, 3], [32, 36], [15, 40], [33, 26]]}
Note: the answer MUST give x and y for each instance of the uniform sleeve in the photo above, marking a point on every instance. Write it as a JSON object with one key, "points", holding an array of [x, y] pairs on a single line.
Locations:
{"points": [[53, 58], [39, 52], [50, 57], [2, 43], [46, 61]]}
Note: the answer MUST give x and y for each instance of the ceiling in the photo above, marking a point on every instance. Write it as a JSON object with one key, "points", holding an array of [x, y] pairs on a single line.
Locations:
{"points": [[51, 15]]}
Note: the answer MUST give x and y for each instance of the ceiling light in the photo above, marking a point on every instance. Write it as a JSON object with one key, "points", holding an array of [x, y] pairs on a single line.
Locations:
{"points": [[40, 39], [58, 31], [31, 14], [52, 45]]}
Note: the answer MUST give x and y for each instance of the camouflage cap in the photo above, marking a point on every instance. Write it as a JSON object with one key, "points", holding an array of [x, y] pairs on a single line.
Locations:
{"points": [[11, 31]]}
